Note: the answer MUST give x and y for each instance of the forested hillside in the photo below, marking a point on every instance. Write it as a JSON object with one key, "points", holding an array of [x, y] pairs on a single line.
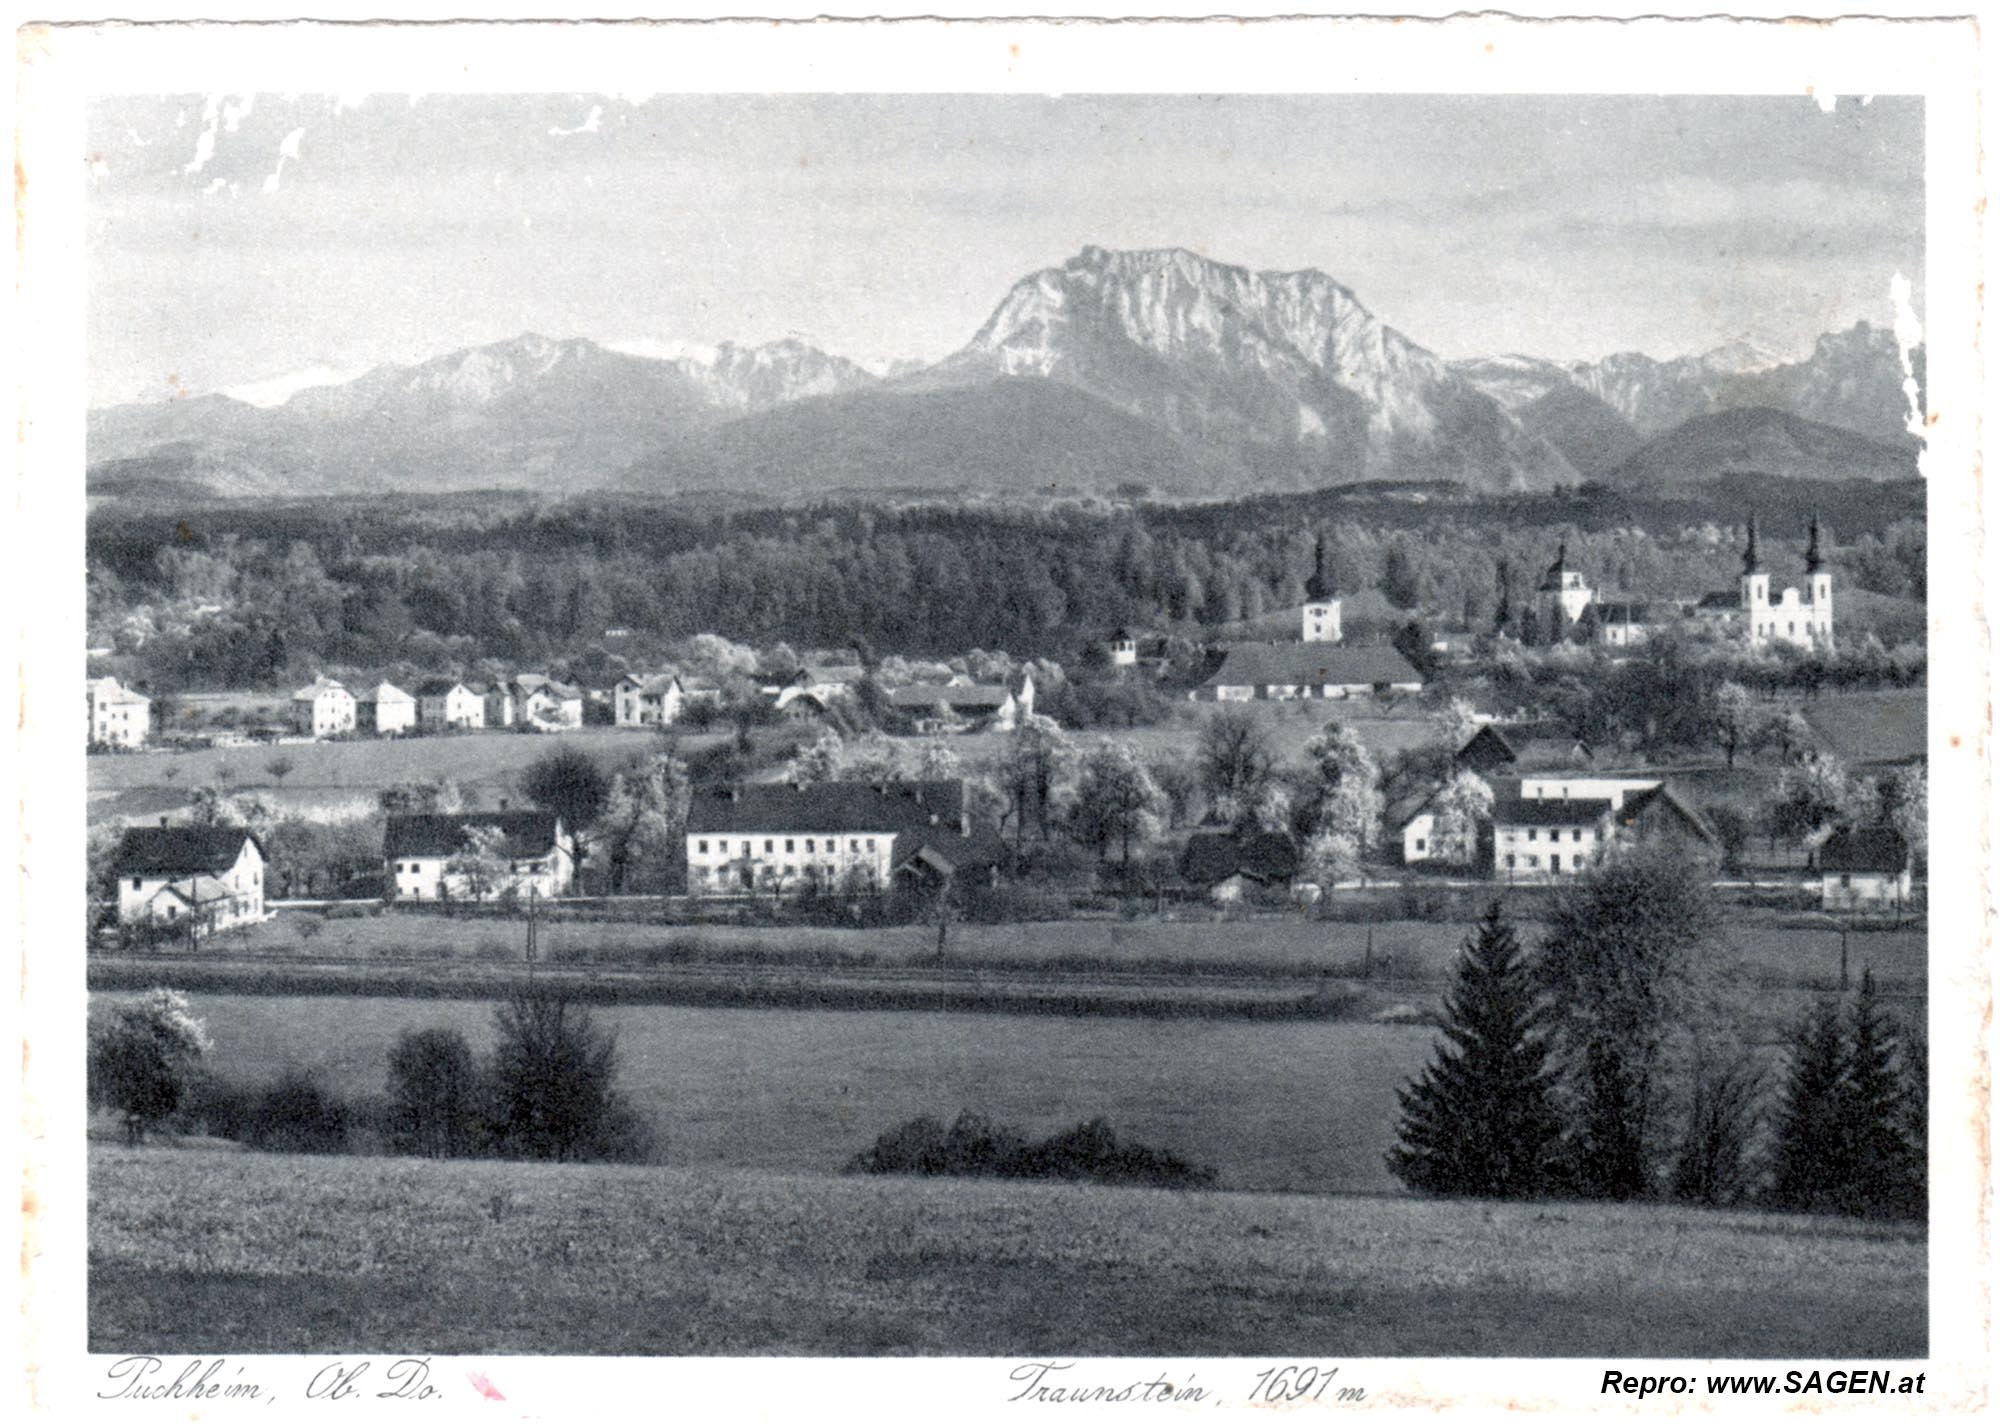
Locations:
{"points": [[239, 594]]}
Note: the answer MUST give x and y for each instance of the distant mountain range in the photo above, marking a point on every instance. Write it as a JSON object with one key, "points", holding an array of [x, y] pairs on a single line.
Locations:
{"points": [[1157, 370]]}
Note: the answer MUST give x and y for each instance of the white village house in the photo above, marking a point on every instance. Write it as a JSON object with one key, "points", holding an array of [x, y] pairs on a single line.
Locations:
{"points": [[546, 704], [1864, 869], [119, 718], [208, 877], [385, 709], [448, 704], [1558, 825], [323, 709], [532, 853], [638, 700]]}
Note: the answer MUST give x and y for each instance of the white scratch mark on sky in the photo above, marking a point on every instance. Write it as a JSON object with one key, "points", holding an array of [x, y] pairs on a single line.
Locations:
{"points": [[204, 144], [1909, 337], [289, 149]]}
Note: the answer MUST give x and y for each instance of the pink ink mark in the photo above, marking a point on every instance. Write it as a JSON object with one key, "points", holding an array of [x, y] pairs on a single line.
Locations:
{"points": [[485, 1386]]}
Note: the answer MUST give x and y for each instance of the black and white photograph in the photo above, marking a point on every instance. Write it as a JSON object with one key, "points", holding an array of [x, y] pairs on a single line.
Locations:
{"points": [[1017, 722]]}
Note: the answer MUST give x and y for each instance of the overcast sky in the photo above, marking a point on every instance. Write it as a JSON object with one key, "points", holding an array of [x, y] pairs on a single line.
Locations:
{"points": [[237, 239]]}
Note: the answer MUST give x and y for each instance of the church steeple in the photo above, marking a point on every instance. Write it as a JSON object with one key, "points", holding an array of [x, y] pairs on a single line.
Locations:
{"points": [[1813, 558], [1320, 586], [1751, 564]]}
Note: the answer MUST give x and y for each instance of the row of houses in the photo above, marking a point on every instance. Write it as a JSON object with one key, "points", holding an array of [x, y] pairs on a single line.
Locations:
{"points": [[327, 708], [742, 840], [954, 705]]}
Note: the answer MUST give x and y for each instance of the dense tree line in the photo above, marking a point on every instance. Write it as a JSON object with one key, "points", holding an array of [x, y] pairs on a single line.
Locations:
{"points": [[241, 595]]}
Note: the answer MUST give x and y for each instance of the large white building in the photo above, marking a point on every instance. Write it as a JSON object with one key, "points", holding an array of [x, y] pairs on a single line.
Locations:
{"points": [[448, 704], [840, 837], [119, 718], [386, 710]]}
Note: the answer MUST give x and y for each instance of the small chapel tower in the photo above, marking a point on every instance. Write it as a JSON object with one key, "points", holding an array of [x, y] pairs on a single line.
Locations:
{"points": [[1319, 621], [1561, 598]]}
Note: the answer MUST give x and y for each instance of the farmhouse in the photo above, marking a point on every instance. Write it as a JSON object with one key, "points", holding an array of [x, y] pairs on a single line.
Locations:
{"points": [[641, 699], [477, 857], [1226, 866], [119, 718], [323, 708], [1864, 869], [959, 706], [1542, 837], [1307, 671], [385, 710], [498, 709], [1502, 748], [824, 682], [832, 837], [545, 704], [208, 877], [447, 704]]}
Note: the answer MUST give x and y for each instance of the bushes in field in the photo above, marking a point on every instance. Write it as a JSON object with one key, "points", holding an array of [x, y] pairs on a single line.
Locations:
{"points": [[974, 1146], [143, 1054]]}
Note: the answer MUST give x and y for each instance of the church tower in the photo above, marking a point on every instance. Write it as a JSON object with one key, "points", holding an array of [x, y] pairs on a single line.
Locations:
{"points": [[1319, 622], [1756, 592], [1560, 599], [1819, 585]]}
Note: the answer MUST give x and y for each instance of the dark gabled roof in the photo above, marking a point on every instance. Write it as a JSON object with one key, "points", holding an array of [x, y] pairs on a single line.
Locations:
{"points": [[530, 833], [1663, 801], [1624, 612], [442, 686], [1537, 745], [943, 850], [1513, 811], [1210, 858], [1864, 850], [177, 852], [952, 696], [841, 807], [1318, 663]]}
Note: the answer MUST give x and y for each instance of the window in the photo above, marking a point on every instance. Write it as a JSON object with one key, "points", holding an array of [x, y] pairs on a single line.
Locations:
{"points": [[767, 845], [701, 846], [809, 845], [1533, 862], [1576, 835], [1846, 880], [788, 845], [135, 885], [1510, 860], [871, 845], [1531, 834], [1555, 835], [1420, 845]]}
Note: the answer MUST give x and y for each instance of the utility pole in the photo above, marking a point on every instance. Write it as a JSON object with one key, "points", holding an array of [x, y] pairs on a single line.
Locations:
{"points": [[531, 930], [1843, 955]]}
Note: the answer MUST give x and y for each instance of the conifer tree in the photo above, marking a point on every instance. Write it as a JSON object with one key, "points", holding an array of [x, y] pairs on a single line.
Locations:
{"points": [[1812, 1155], [1480, 1119], [1885, 1176]]}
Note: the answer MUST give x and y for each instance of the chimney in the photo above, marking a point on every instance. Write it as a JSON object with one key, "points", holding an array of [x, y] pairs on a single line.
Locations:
{"points": [[503, 805], [163, 820]]}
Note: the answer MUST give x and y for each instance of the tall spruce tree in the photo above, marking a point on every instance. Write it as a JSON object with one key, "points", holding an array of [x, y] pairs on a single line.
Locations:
{"points": [[1480, 1119], [1813, 1158], [1885, 1177]]}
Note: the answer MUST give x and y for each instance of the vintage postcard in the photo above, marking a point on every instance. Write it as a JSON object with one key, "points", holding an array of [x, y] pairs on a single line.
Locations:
{"points": [[1231, 715]]}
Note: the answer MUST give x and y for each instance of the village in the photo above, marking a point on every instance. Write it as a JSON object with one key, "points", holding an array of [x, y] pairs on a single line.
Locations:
{"points": [[841, 788]]}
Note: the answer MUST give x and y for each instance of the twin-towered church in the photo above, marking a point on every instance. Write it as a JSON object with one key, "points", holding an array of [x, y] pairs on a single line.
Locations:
{"points": [[1803, 619]]}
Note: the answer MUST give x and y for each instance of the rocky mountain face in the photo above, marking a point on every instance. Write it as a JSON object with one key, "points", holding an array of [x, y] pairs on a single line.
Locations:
{"points": [[1157, 369], [1852, 379], [1277, 368]]}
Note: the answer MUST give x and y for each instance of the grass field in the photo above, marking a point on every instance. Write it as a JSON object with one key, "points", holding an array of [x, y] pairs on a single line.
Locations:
{"points": [[197, 1251], [1304, 1106], [342, 777], [1402, 951]]}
